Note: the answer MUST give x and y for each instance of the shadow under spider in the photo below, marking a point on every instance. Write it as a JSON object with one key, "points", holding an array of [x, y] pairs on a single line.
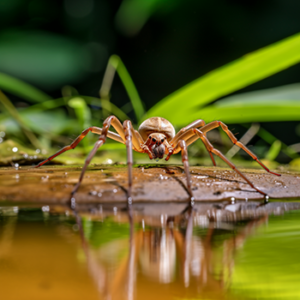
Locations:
{"points": [[209, 176]]}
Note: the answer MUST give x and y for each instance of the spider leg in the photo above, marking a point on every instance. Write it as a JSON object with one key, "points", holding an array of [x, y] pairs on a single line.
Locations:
{"points": [[223, 157], [185, 161], [190, 137], [128, 129], [234, 140], [181, 134], [93, 129], [177, 137], [111, 120]]}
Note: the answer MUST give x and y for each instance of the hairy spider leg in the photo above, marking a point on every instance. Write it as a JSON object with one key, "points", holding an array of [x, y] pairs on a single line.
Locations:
{"points": [[124, 131], [177, 137], [234, 140], [209, 146], [185, 161], [93, 129], [223, 157], [128, 129], [111, 120]]}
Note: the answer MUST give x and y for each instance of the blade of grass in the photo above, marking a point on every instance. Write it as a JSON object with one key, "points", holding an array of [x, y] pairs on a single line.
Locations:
{"points": [[8, 106], [51, 104], [274, 150], [83, 115], [115, 64], [229, 78], [20, 88]]}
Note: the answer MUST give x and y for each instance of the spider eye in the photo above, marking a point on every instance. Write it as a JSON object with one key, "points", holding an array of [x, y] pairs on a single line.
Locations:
{"points": [[162, 140], [153, 140], [149, 137]]}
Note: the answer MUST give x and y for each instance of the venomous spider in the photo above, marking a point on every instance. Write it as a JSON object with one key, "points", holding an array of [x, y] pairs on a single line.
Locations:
{"points": [[156, 137]]}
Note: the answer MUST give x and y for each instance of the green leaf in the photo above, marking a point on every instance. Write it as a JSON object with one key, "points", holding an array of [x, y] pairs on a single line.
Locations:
{"points": [[227, 79]]}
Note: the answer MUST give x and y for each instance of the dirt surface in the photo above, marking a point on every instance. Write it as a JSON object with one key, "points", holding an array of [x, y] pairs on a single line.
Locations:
{"points": [[151, 183]]}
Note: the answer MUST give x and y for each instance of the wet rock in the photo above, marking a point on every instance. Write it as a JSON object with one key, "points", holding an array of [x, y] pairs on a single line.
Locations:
{"points": [[153, 184]]}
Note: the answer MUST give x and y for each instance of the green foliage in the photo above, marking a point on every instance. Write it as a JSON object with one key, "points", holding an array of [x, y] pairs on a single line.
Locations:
{"points": [[191, 102]]}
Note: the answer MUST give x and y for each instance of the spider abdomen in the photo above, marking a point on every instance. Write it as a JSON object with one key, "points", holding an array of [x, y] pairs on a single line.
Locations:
{"points": [[157, 125]]}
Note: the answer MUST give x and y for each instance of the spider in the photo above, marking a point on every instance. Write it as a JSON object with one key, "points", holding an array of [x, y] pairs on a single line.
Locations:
{"points": [[156, 137]]}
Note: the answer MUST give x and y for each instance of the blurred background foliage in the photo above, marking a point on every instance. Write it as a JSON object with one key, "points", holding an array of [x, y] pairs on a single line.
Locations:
{"points": [[234, 61]]}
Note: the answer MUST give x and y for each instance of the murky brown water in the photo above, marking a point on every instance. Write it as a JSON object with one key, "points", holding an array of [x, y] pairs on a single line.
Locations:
{"points": [[224, 251]]}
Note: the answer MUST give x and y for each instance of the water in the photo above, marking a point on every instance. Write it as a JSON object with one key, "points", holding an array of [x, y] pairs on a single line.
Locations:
{"points": [[101, 252]]}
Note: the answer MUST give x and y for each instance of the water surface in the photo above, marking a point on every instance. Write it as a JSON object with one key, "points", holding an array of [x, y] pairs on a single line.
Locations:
{"points": [[104, 253]]}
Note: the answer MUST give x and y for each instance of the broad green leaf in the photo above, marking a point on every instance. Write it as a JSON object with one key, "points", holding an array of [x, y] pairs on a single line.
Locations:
{"points": [[286, 110], [227, 79], [22, 89]]}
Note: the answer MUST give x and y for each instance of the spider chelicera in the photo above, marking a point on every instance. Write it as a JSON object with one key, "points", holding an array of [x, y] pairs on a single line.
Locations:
{"points": [[156, 137]]}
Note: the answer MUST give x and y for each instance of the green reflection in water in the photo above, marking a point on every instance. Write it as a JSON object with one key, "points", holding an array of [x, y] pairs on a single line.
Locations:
{"points": [[268, 266]]}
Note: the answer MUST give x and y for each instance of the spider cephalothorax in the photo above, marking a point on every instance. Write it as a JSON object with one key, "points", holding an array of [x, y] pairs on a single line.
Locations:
{"points": [[156, 144], [156, 137], [157, 132]]}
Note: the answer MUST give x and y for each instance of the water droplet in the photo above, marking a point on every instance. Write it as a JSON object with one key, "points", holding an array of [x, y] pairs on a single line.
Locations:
{"points": [[143, 224], [246, 199], [15, 149], [45, 208], [73, 203], [109, 161], [129, 200], [99, 195], [232, 200], [267, 198], [115, 190], [38, 150]]}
